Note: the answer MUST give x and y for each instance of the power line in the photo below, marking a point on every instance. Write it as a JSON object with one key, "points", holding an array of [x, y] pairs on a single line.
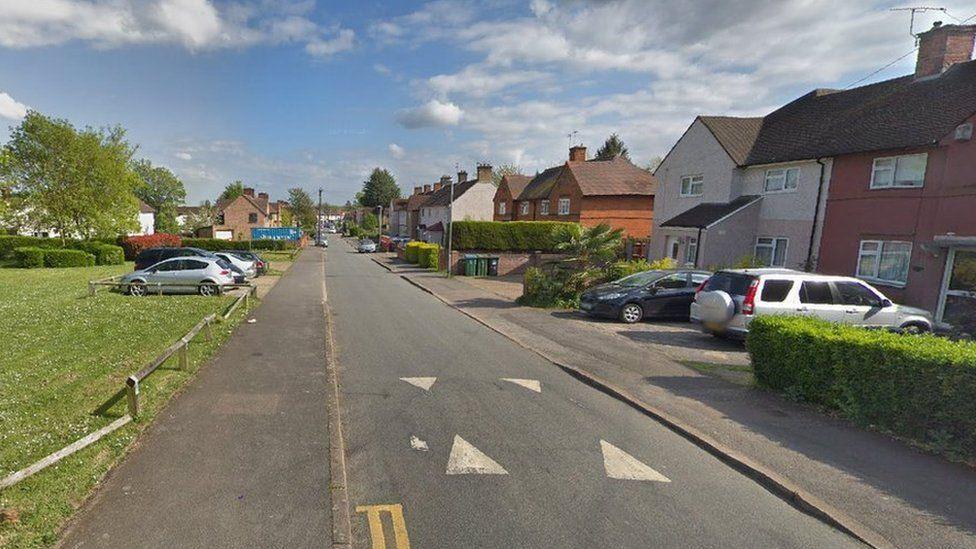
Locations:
{"points": [[852, 84]]}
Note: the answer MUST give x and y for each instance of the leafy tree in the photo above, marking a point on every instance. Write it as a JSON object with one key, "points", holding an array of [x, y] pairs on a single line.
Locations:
{"points": [[204, 216], [588, 247], [379, 189], [162, 190], [503, 170], [287, 218], [612, 148], [370, 222], [233, 190], [77, 182], [654, 163], [303, 209]]}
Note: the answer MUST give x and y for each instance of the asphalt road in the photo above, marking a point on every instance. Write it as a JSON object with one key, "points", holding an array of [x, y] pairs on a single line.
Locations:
{"points": [[474, 460]]}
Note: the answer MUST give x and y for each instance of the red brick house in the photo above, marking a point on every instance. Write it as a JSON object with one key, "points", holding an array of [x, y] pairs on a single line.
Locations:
{"points": [[901, 208], [237, 216], [509, 189], [588, 192]]}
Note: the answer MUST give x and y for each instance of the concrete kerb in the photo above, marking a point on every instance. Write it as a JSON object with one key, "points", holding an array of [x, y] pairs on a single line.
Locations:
{"points": [[765, 477]]}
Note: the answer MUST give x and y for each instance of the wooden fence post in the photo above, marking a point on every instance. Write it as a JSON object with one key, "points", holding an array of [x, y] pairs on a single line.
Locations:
{"points": [[159, 288], [184, 358], [132, 395], [91, 289], [208, 331]]}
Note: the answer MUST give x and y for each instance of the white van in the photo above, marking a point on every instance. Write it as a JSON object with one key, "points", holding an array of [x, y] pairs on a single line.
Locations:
{"points": [[726, 303]]}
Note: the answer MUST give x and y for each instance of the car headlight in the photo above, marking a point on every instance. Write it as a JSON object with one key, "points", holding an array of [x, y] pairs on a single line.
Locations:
{"points": [[615, 295]]}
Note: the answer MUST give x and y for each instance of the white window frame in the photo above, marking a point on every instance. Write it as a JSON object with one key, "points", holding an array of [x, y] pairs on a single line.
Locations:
{"points": [[692, 181], [544, 207], [878, 254], [781, 176], [773, 244], [525, 208], [501, 208], [877, 167], [563, 205], [691, 250]]}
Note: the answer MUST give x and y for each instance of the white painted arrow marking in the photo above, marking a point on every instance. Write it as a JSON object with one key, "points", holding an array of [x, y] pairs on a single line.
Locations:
{"points": [[530, 384], [466, 459], [418, 444], [621, 465], [424, 383]]}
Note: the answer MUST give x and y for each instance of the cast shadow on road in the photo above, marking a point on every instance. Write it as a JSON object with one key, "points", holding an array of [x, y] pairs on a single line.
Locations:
{"points": [[875, 459], [486, 303], [686, 339]]}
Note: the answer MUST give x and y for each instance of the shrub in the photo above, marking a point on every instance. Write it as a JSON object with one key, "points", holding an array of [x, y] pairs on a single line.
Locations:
{"points": [[9, 242], [428, 255], [132, 245], [556, 287], [410, 252], [108, 254], [506, 235], [29, 257], [67, 257], [214, 244], [919, 387]]}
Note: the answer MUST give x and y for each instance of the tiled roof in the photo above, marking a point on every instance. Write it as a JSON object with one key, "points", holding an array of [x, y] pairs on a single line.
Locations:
{"points": [[436, 227], [145, 208], [736, 135], [184, 210], [706, 213], [442, 197], [516, 183], [417, 200], [541, 184], [612, 178]]}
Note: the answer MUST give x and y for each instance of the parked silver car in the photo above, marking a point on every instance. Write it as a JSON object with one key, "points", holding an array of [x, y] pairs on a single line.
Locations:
{"points": [[728, 301], [366, 246], [246, 266], [203, 275]]}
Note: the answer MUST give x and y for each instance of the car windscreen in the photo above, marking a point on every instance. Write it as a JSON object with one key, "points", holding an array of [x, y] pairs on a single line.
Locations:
{"points": [[224, 264], [639, 279], [736, 284]]}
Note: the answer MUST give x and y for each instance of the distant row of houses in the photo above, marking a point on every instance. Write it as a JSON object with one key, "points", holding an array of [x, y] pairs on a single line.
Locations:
{"points": [[877, 181]]}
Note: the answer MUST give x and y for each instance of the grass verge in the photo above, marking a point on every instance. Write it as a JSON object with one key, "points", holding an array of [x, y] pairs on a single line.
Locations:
{"points": [[733, 373], [68, 355]]}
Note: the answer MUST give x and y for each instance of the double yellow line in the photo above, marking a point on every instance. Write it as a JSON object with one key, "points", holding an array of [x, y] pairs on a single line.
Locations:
{"points": [[375, 518]]}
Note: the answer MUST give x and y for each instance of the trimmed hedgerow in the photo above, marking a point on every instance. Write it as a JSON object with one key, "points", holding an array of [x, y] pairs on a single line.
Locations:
{"points": [[919, 387], [506, 235], [67, 257], [411, 251], [107, 254], [9, 242], [132, 245], [29, 257], [428, 255], [215, 244]]}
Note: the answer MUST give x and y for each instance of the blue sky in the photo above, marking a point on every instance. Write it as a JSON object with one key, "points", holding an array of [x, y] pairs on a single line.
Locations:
{"points": [[315, 94]]}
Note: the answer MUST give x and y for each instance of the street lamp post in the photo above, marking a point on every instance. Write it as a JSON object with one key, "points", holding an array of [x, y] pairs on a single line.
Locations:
{"points": [[450, 229]]}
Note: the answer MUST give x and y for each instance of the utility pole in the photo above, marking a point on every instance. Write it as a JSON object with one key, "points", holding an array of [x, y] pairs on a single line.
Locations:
{"points": [[380, 224], [318, 220], [450, 229]]}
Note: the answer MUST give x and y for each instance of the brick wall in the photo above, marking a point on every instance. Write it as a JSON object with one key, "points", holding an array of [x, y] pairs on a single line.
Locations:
{"points": [[236, 219], [633, 214], [508, 262]]}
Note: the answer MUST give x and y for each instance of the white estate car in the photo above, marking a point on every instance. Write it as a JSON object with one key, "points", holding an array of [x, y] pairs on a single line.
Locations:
{"points": [[730, 299], [246, 266]]}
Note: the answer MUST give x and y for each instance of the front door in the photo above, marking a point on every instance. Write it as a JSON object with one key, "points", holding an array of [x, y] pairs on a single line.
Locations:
{"points": [[960, 299], [673, 247]]}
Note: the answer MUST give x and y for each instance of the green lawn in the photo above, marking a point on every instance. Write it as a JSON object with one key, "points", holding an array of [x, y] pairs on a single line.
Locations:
{"points": [[64, 354]]}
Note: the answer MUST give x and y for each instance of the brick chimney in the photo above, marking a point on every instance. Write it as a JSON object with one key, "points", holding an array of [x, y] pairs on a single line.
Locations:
{"points": [[462, 176], [426, 188], [438, 186], [484, 172], [248, 191], [445, 180], [577, 153], [943, 46], [263, 195], [418, 190]]}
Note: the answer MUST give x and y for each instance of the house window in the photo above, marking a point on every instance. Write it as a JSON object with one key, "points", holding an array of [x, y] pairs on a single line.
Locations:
{"points": [[771, 251], [898, 171], [781, 180], [501, 208], [691, 251], [252, 218], [544, 207], [220, 218], [884, 260], [692, 185], [525, 208], [563, 206]]}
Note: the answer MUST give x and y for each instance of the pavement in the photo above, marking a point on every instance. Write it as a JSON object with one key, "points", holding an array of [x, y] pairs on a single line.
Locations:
{"points": [[458, 437], [241, 457], [893, 493]]}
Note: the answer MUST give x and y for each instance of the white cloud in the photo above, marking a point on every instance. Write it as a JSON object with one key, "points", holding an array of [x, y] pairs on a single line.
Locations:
{"points": [[396, 151], [382, 69], [183, 155], [480, 81], [431, 114], [194, 24], [10, 108]]}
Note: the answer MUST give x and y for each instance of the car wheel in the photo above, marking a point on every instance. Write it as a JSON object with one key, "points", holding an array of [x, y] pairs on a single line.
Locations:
{"points": [[631, 313], [208, 289], [137, 289], [914, 328]]}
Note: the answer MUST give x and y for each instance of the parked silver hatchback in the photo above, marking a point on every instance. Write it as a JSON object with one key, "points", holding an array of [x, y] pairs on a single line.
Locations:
{"points": [[203, 275], [728, 301]]}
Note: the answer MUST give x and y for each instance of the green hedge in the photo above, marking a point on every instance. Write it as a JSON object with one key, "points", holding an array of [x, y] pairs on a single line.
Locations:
{"points": [[505, 235], [29, 257], [411, 251], [67, 257], [919, 387], [428, 256], [215, 244], [9, 242], [105, 254]]}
